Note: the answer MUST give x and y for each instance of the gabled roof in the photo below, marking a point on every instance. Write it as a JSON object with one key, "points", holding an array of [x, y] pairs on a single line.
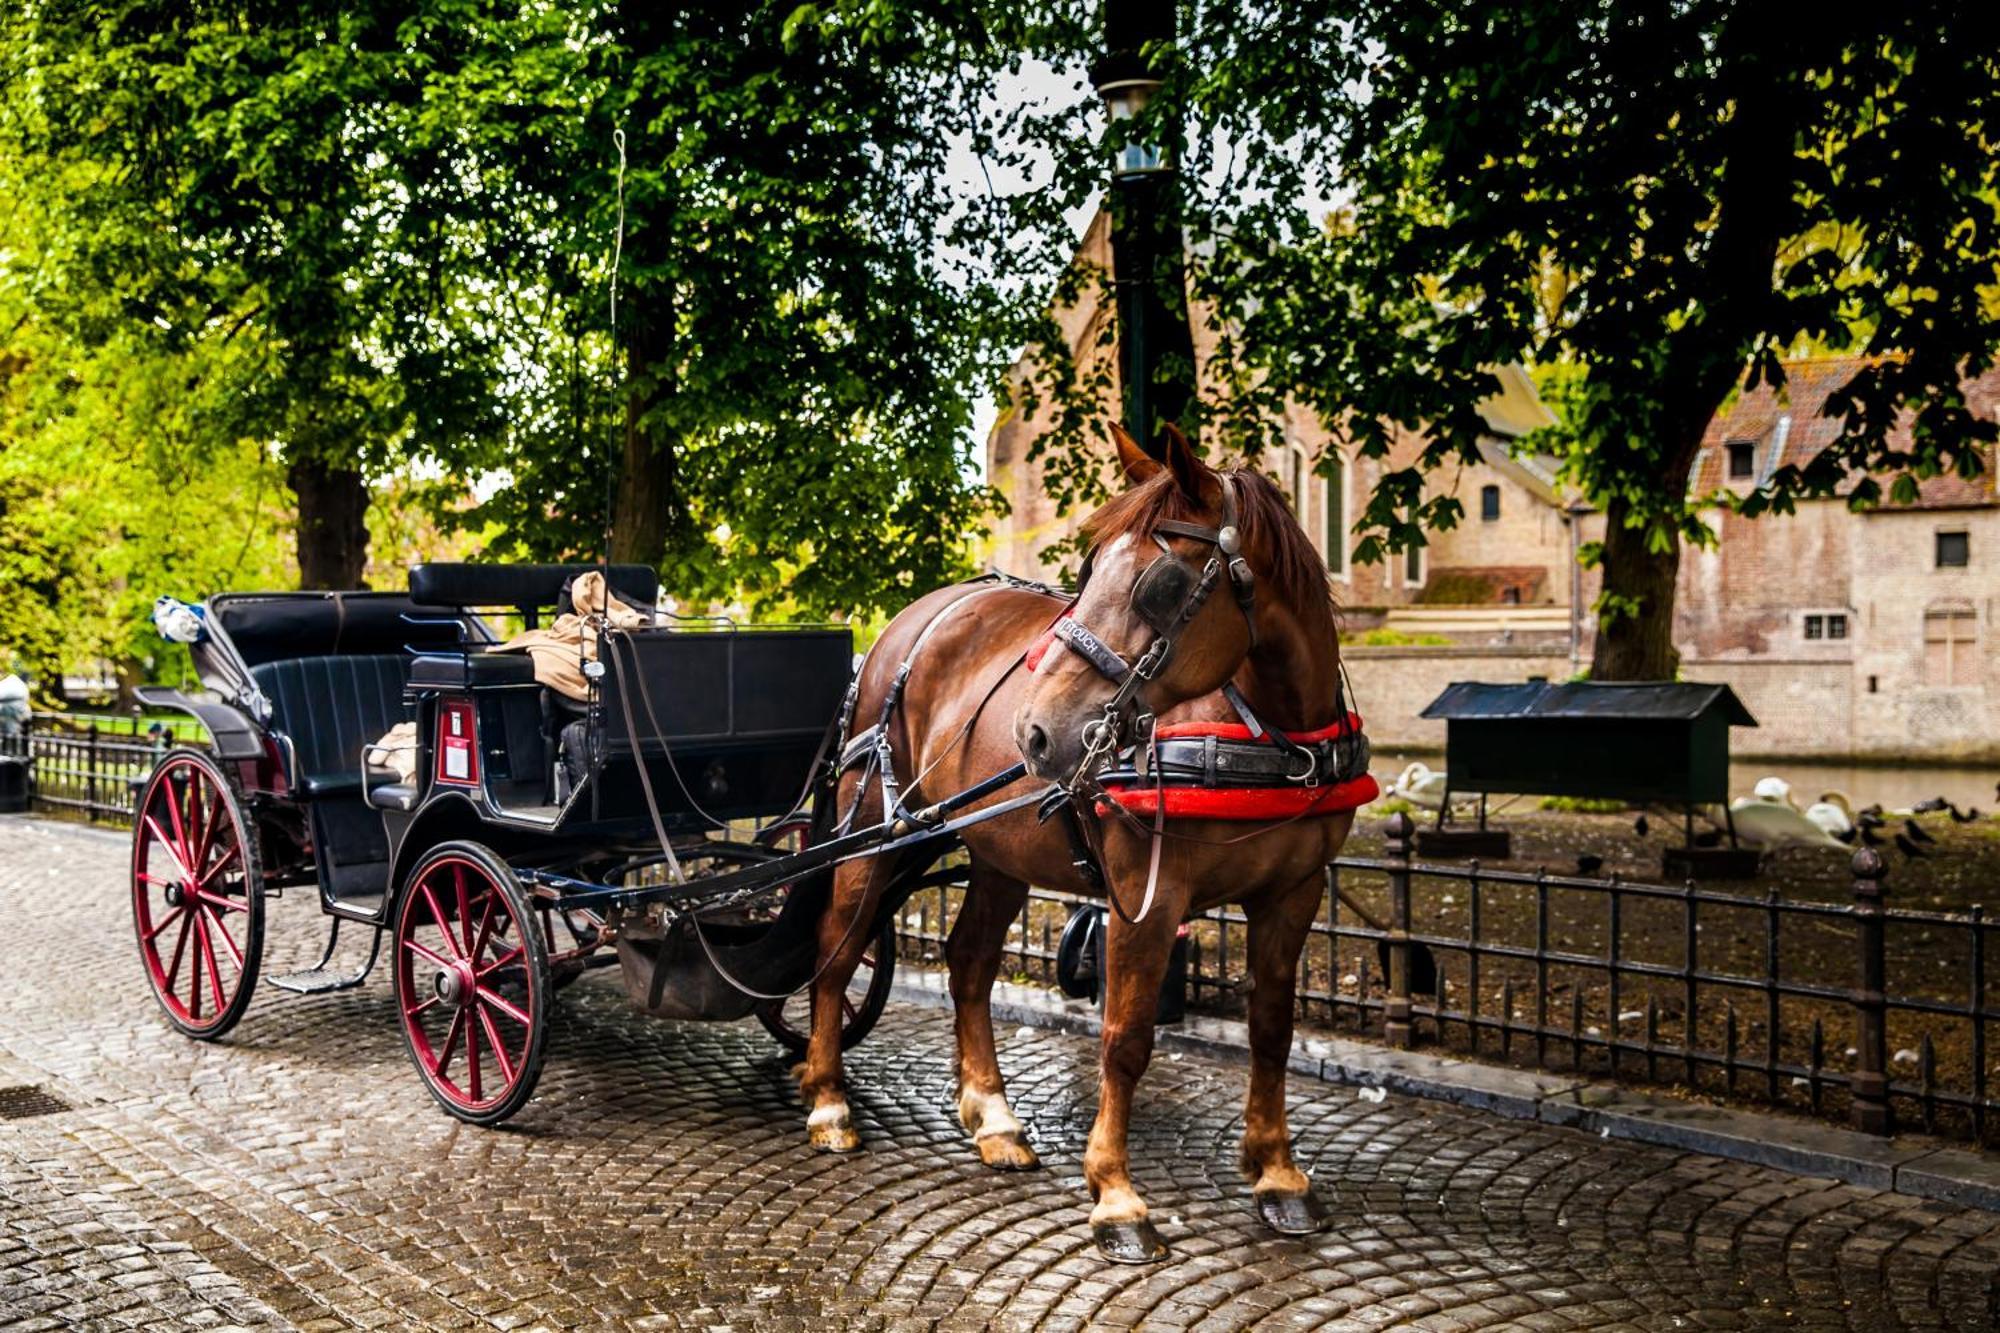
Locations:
{"points": [[1588, 700], [1791, 428]]}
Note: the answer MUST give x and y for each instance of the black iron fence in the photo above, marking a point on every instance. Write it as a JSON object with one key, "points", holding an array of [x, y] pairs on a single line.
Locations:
{"points": [[1855, 1010], [84, 765]]}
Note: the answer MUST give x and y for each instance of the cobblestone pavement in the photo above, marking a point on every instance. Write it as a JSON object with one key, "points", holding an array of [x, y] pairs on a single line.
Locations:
{"points": [[297, 1175]]}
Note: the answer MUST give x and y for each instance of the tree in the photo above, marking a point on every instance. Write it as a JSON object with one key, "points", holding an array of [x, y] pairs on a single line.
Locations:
{"points": [[1711, 184]]}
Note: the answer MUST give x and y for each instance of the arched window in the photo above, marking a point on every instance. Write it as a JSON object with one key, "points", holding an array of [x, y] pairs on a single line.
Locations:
{"points": [[1489, 503], [1951, 645], [1334, 512]]}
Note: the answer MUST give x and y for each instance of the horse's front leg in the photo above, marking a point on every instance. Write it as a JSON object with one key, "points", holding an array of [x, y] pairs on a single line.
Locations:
{"points": [[973, 951], [1278, 926], [843, 937], [1135, 963]]}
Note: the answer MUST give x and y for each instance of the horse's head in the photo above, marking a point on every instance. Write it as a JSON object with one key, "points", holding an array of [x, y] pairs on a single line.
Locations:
{"points": [[1168, 606]]}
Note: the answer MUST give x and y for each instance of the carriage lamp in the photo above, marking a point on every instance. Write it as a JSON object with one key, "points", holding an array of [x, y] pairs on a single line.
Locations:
{"points": [[1124, 100]]}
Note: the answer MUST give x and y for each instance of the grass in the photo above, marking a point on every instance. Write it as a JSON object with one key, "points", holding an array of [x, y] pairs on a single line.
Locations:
{"points": [[1583, 805], [1395, 638]]}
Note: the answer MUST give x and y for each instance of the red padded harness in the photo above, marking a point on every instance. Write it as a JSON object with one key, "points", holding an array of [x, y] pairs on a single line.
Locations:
{"points": [[1247, 803]]}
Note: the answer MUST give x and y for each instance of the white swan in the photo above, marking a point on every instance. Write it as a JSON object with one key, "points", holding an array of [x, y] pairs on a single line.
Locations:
{"points": [[1771, 819], [1832, 813], [1420, 785]]}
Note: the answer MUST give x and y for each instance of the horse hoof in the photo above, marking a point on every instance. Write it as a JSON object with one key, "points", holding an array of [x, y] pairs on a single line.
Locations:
{"points": [[1129, 1242], [1008, 1152], [836, 1138], [1292, 1214]]}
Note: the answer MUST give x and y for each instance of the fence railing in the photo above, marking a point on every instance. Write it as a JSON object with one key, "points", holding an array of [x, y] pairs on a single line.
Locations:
{"points": [[82, 764], [1855, 1010]]}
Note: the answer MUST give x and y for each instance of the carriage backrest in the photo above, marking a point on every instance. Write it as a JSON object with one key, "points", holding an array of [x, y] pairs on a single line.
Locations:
{"points": [[332, 707], [523, 588], [273, 627]]}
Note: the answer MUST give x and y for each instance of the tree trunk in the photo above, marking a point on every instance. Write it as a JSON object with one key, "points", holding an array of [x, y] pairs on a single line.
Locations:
{"points": [[1636, 646], [332, 524], [646, 509]]}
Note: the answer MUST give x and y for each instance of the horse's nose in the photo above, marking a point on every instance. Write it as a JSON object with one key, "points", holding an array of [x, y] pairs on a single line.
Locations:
{"points": [[1035, 745]]}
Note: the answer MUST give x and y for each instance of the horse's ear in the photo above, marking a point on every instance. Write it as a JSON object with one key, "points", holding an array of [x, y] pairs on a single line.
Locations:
{"points": [[1138, 464], [1191, 475]]}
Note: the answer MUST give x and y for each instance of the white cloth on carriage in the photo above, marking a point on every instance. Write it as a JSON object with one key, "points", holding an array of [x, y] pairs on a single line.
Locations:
{"points": [[396, 752], [560, 651]]}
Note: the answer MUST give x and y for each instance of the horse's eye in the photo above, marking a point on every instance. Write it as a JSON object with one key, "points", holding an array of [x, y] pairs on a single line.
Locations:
{"points": [[1161, 590]]}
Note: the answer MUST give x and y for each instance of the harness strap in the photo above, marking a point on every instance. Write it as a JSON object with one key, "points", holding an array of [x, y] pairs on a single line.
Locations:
{"points": [[1092, 649]]}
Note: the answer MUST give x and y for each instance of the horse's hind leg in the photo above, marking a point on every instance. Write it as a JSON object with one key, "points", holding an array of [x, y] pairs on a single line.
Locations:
{"points": [[843, 937], [1278, 926], [978, 939], [1135, 963]]}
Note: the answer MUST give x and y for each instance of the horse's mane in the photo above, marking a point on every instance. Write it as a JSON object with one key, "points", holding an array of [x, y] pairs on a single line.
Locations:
{"points": [[1291, 569]]}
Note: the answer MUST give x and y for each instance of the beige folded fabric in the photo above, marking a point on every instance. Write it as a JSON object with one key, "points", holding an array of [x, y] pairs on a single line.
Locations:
{"points": [[560, 651], [397, 751]]}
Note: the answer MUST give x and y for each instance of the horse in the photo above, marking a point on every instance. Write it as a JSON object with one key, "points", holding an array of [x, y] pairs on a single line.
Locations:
{"points": [[950, 683]]}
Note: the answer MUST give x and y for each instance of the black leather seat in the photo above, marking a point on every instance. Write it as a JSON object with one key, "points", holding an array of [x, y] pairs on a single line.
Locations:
{"points": [[332, 708], [458, 670]]}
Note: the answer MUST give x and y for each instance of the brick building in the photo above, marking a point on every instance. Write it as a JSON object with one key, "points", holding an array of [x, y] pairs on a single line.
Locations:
{"points": [[1849, 635]]}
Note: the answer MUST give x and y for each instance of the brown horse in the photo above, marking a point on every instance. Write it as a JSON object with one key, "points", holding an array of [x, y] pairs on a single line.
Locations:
{"points": [[969, 709]]}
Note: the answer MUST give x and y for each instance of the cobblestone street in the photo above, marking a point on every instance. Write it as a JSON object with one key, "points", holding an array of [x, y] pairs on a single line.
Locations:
{"points": [[296, 1174]]}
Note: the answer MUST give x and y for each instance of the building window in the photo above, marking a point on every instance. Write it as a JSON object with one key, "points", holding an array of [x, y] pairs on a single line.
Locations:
{"points": [[1489, 503], [1954, 550], [1335, 530], [1299, 474], [1951, 635], [1413, 567], [1742, 459], [1826, 625]]}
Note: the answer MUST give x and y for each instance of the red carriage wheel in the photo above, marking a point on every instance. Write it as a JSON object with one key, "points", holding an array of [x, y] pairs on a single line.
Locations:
{"points": [[867, 993], [472, 982], [197, 894]]}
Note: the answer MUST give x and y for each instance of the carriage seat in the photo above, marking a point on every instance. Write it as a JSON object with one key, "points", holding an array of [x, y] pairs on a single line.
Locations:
{"points": [[332, 708], [457, 671]]}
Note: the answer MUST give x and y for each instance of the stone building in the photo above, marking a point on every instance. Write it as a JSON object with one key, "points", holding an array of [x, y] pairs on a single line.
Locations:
{"points": [[1849, 635]]}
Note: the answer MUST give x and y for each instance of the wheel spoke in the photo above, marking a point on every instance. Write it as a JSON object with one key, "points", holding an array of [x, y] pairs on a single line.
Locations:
{"points": [[204, 842], [181, 848], [472, 1057], [506, 1007], [485, 930], [419, 1007], [165, 921], [499, 962], [214, 972], [168, 843], [847, 1007], [464, 919], [426, 952], [493, 1044], [220, 864], [174, 968], [219, 902], [437, 915], [215, 925], [194, 968], [450, 1042]]}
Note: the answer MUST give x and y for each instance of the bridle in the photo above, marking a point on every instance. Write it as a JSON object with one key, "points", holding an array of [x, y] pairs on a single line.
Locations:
{"points": [[1167, 596]]}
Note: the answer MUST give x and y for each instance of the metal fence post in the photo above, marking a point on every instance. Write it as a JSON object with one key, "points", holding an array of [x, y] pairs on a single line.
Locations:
{"points": [[1871, 1111], [90, 765], [1396, 1025]]}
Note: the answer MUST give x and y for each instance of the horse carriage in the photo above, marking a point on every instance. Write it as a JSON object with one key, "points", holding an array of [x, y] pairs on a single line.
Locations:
{"points": [[733, 815], [660, 825]]}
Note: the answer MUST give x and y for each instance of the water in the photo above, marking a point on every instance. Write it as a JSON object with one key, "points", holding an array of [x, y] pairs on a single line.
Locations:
{"points": [[1894, 788]]}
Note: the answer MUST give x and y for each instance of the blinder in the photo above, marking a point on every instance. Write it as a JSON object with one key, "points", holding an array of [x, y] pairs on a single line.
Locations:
{"points": [[1166, 597]]}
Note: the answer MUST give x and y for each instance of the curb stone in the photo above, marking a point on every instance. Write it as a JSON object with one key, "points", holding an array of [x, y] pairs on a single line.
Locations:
{"points": [[1905, 1166]]}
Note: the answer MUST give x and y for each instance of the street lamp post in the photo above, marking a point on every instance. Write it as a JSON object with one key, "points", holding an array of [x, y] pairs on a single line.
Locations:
{"points": [[1155, 344]]}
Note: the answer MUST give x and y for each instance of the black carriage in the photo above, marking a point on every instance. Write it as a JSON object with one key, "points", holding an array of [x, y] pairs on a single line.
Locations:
{"points": [[661, 824]]}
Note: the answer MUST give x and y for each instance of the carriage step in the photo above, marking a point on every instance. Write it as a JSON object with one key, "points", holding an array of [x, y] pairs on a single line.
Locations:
{"points": [[320, 980]]}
